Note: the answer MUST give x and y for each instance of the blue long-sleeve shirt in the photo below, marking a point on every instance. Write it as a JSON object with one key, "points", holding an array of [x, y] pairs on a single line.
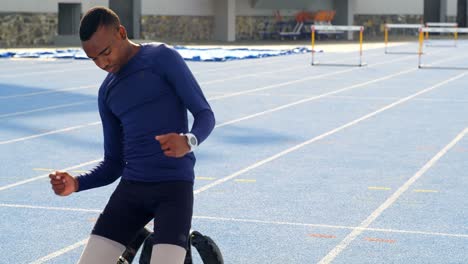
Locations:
{"points": [[149, 96]]}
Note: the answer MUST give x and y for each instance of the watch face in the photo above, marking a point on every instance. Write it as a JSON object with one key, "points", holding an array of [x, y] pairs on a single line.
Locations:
{"points": [[193, 141]]}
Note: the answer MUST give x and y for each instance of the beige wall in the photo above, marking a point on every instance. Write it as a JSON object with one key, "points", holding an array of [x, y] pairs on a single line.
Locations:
{"points": [[44, 6], [404, 7], [376, 7], [243, 7], [178, 7]]}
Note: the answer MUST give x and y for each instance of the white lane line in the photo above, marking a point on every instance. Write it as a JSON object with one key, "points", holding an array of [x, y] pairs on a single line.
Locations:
{"points": [[383, 230], [95, 86], [204, 188], [259, 64], [281, 70], [312, 98], [44, 72], [50, 208], [2, 188], [324, 135], [67, 129], [255, 221], [275, 85], [232, 121], [85, 87], [49, 91], [257, 74], [287, 151], [45, 109], [228, 122], [361, 98], [392, 199], [372, 98], [268, 87], [220, 125], [60, 252]]}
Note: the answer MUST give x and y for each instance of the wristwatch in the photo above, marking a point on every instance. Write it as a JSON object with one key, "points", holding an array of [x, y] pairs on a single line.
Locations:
{"points": [[192, 140]]}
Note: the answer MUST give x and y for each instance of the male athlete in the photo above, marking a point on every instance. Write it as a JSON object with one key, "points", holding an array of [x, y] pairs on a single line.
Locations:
{"points": [[143, 105]]}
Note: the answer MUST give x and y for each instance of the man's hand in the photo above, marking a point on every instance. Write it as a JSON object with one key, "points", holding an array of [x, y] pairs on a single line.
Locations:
{"points": [[173, 145], [63, 183]]}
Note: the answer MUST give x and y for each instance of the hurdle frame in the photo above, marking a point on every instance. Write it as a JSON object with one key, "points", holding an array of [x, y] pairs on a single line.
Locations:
{"points": [[442, 25], [423, 31], [387, 28], [315, 28]]}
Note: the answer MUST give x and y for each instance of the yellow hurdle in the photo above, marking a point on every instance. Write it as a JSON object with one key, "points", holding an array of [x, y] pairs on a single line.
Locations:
{"points": [[332, 28], [420, 50], [386, 37], [388, 27], [313, 43], [361, 32], [442, 25], [423, 32]]}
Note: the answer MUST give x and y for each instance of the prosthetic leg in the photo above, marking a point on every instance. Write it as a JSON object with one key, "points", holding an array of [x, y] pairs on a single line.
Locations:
{"points": [[207, 249], [131, 250]]}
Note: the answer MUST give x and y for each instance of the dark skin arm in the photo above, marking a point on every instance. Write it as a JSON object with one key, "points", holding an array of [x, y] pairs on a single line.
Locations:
{"points": [[173, 145], [63, 183]]}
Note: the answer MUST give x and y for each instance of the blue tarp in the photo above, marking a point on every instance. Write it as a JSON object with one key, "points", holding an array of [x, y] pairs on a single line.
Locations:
{"points": [[220, 54], [191, 54]]}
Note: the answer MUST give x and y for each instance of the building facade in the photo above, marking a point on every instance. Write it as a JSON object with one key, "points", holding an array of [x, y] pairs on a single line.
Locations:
{"points": [[45, 22]]}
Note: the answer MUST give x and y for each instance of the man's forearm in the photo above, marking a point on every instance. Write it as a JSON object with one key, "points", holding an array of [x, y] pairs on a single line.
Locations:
{"points": [[105, 173]]}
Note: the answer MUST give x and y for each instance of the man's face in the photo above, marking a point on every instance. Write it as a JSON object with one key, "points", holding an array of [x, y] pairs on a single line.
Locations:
{"points": [[106, 48]]}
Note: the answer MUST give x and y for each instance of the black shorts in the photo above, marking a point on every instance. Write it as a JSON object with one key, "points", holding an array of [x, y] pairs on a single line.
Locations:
{"points": [[133, 204]]}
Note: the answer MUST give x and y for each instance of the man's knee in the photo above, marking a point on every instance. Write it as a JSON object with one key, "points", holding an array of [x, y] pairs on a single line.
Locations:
{"points": [[100, 250], [167, 254]]}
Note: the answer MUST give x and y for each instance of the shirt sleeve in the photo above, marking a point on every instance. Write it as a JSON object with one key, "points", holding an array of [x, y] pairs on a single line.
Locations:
{"points": [[187, 88], [110, 169]]}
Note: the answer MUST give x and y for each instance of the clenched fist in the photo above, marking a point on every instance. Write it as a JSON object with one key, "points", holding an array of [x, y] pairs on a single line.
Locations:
{"points": [[63, 183], [173, 144]]}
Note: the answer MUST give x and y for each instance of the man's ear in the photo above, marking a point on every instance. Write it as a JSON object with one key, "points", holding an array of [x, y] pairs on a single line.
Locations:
{"points": [[122, 32]]}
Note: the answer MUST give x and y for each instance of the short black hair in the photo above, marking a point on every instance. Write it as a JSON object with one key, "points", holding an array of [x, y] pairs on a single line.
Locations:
{"points": [[96, 17]]}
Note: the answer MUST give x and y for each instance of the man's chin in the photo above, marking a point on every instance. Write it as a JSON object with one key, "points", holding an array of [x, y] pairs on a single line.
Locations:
{"points": [[113, 69]]}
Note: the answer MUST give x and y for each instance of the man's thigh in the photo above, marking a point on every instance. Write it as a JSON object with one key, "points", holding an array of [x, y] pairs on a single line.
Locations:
{"points": [[173, 216], [124, 214]]}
